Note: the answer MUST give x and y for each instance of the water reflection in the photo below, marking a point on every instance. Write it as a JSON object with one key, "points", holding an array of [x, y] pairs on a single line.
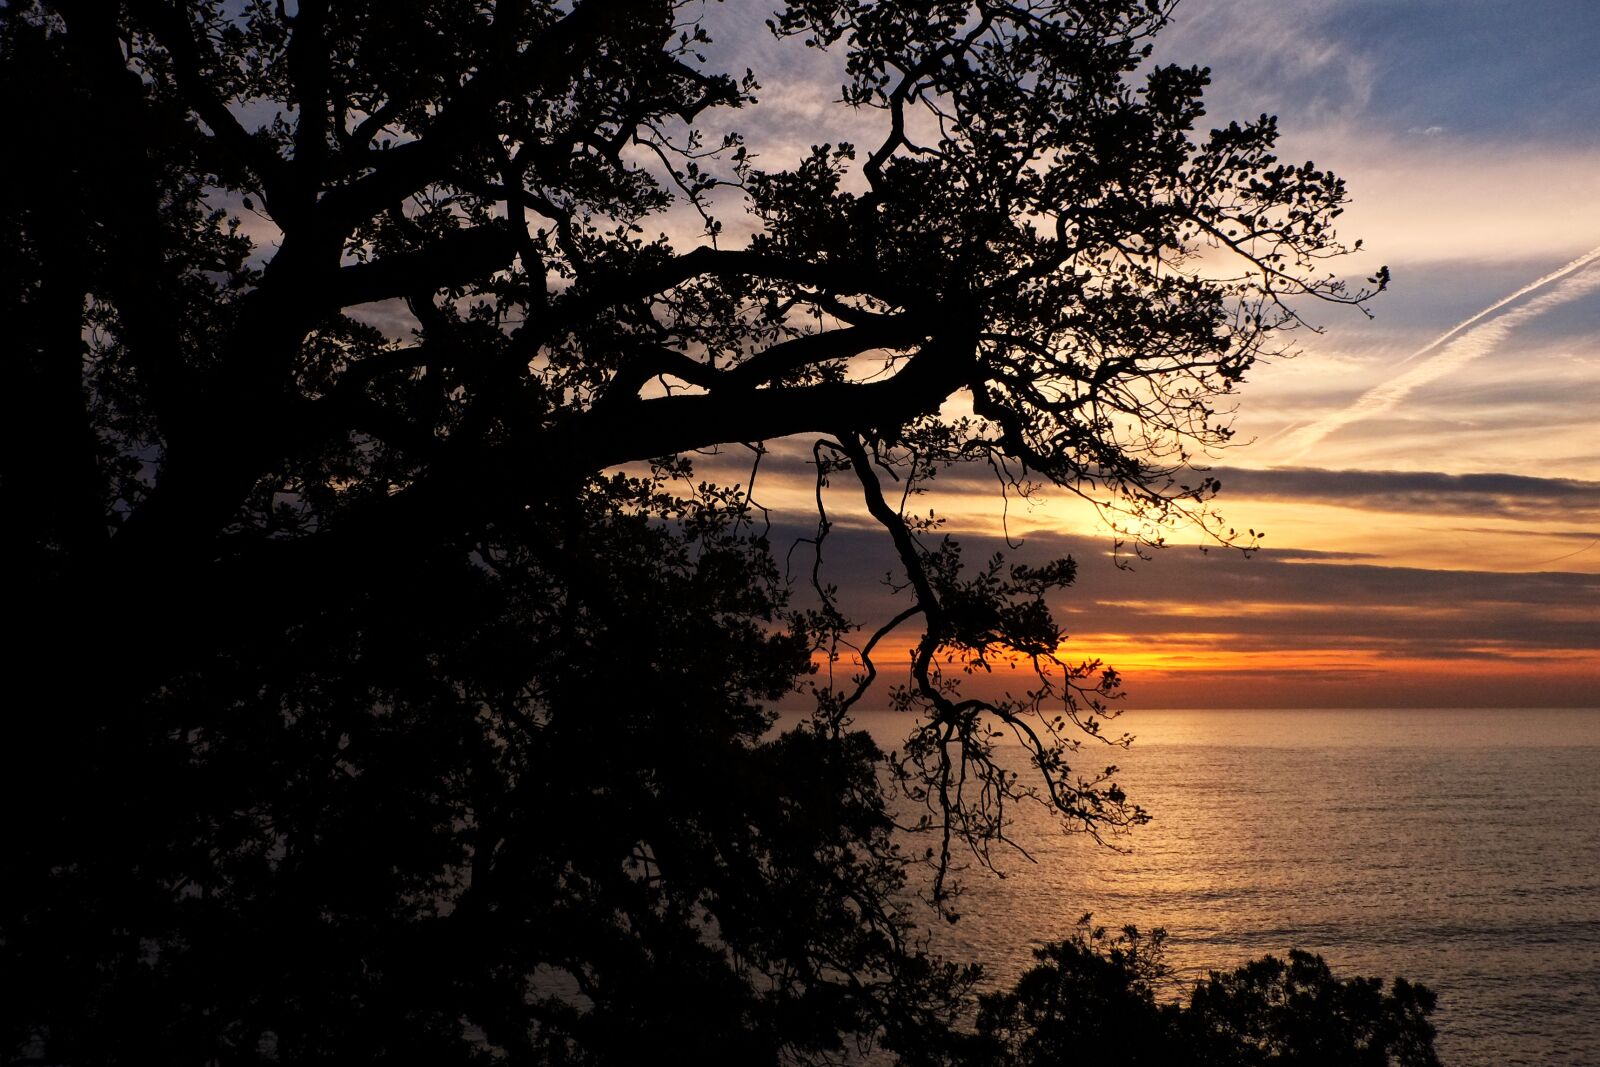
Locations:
{"points": [[1459, 848]]}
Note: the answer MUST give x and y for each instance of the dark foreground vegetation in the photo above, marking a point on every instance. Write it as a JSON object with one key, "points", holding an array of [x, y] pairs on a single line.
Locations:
{"points": [[1094, 999], [384, 684]]}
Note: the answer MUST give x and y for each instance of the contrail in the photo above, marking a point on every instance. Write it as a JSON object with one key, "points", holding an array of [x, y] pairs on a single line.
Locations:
{"points": [[1538, 283], [1459, 348]]}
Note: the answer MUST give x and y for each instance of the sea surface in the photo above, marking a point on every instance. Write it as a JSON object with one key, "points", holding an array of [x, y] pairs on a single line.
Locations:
{"points": [[1458, 848]]}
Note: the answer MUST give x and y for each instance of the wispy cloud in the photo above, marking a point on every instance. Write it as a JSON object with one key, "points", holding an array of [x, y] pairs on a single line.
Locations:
{"points": [[1538, 283], [1457, 347], [1500, 495]]}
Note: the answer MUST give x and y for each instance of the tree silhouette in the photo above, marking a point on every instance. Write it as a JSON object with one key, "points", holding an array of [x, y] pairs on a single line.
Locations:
{"points": [[384, 683], [1096, 997]]}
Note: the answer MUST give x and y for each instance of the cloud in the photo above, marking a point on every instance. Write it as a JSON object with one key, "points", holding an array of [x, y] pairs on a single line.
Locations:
{"points": [[1459, 348], [1320, 592], [1428, 199], [1508, 495], [1265, 629], [1271, 56], [1538, 283], [1400, 66]]}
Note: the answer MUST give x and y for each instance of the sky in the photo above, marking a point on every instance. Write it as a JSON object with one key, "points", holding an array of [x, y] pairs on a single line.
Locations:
{"points": [[1428, 479]]}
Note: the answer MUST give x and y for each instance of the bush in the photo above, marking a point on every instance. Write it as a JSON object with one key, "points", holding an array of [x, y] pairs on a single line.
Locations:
{"points": [[1094, 998]]}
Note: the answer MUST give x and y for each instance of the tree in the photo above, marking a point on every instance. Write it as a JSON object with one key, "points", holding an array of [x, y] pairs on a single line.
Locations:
{"points": [[400, 692], [1095, 997]]}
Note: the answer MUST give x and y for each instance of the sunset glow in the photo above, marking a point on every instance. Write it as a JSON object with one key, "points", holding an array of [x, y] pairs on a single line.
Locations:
{"points": [[1428, 479]]}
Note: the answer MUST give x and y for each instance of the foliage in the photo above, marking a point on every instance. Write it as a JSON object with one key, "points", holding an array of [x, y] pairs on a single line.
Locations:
{"points": [[385, 682], [1096, 998]]}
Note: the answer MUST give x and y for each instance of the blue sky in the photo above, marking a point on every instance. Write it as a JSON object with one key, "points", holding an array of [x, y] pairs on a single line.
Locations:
{"points": [[1488, 70]]}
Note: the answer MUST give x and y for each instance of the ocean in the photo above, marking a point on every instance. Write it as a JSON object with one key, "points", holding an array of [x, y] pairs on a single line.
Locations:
{"points": [[1458, 848]]}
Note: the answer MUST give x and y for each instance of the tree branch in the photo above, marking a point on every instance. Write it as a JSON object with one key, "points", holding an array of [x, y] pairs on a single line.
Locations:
{"points": [[171, 30], [549, 62], [452, 260]]}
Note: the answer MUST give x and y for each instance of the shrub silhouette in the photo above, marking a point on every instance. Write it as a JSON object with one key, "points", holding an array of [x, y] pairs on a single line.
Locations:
{"points": [[1095, 998]]}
